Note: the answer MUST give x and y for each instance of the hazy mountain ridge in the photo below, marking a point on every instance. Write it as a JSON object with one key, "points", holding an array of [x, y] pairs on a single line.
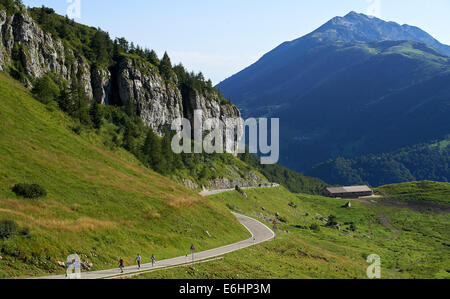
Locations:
{"points": [[351, 28], [348, 89]]}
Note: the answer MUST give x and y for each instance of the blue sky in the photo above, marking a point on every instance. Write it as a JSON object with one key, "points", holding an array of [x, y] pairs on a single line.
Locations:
{"points": [[221, 37]]}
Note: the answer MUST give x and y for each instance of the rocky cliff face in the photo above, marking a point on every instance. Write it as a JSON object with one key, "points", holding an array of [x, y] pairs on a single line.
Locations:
{"points": [[158, 102], [38, 51], [2, 51], [212, 108], [101, 86]]}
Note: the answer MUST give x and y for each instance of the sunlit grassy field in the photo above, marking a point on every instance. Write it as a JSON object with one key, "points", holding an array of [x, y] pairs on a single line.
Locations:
{"points": [[411, 244], [426, 191], [102, 204]]}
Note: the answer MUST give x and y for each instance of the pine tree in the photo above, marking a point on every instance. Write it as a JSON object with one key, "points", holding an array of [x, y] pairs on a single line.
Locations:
{"points": [[153, 153], [165, 67], [64, 100], [123, 44], [166, 148], [246, 155], [45, 89], [42, 19], [152, 57], [96, 113], [79, 104], [128, 140], [100, 48], [116, 51], [130, 108]]}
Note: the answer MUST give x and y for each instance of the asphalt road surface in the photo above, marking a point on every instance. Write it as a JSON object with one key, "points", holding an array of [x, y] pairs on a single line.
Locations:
{"points": [[260, 233], [213, 192]]}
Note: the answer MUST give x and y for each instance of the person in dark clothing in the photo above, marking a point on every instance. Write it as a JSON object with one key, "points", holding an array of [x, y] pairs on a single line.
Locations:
{"points": [[121, 265], [138, 260]]}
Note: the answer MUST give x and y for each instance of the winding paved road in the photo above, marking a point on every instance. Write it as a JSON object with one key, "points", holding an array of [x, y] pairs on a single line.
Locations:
{"points": [[260, 233], [213, 192]]}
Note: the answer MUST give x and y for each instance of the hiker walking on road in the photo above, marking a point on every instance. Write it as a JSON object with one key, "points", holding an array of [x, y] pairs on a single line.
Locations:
{"points": [[121, 265], [138, 260], [153, 260], [193, 251]]}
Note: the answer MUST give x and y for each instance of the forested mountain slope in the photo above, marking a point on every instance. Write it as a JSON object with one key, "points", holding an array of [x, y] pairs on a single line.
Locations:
{"points": [[415, 163], [356, 86]]}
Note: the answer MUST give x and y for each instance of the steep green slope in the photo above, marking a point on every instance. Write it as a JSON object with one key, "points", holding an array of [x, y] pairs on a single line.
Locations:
{"points": [[411, 244], [101, 203]]}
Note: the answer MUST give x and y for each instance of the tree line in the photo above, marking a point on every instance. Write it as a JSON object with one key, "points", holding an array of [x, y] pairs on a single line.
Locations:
{"points": [[122, 127], [413, 163]]}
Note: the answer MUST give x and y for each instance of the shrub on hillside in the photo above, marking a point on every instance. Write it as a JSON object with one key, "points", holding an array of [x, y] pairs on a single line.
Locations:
{"points": [[8, 229], [293, 205], [282, 219], [77, 129], [45, 89], [332, 221], [25, 232], [315, 227], [29, 190], [52, 106]]}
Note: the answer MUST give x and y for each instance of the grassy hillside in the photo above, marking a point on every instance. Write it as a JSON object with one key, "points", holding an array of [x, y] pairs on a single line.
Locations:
{"points": [[426, 191], [101, 203], [411, 244]]}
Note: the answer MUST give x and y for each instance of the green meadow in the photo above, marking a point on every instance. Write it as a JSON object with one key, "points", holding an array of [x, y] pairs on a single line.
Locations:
{"points": [[410, 243]]}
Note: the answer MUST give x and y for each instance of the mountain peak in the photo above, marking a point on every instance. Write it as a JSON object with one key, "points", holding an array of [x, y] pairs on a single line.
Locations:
{"points": [[354, 14], [358, 27], [351, 19]]}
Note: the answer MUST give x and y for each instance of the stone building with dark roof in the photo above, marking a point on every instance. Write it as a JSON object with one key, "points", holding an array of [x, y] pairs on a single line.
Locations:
{"points": [[348, 192]]}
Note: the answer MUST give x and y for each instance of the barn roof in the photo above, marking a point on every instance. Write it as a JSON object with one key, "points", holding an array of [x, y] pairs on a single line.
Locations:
{"points": [[351, 189]]}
